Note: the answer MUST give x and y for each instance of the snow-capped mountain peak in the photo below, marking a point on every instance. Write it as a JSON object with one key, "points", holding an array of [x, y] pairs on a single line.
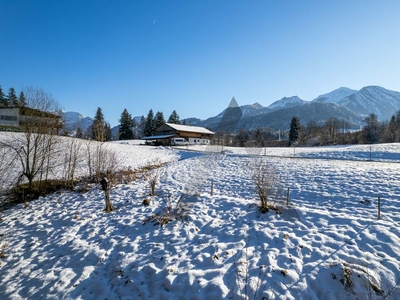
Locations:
{"points": [[72, 120], [373, 99], [286, 102], [335, 96]]}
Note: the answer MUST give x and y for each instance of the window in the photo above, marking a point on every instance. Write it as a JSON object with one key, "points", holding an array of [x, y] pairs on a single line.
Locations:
{"points": [[8, 118]]}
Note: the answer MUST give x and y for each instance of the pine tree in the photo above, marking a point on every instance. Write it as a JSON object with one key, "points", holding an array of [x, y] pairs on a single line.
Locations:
{"points": [[158, 120], [3, 99], [174, 118], [97, 129], [140, 127], [371, 129], [149, 127], [79, 133], [12, 98], [22, 99], [107, 131], [397, 125], [126, 126], [295, 130]]}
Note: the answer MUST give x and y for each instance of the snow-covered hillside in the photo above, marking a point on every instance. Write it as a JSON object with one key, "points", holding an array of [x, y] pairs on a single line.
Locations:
{"points": [[252, 109], [286, 102], [326, 244], [373, 99], [335, 96]]}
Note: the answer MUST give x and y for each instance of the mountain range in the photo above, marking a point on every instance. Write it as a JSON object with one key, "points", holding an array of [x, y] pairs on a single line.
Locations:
{"points": [[343, 103]]}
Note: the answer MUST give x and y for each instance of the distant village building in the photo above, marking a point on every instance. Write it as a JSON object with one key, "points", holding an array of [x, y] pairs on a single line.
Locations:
{"points": [[15, 118], [168, 132], [9, 119]]}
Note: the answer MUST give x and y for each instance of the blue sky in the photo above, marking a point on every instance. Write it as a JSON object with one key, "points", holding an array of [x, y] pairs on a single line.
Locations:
{"points": [[194, 56]]}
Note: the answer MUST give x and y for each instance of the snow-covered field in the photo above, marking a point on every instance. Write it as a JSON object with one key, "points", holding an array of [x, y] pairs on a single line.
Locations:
{"points": [[327, 244]]}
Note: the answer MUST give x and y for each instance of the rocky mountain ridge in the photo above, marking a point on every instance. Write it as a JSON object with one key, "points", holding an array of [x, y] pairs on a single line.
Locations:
{"points": [[345, 104]]}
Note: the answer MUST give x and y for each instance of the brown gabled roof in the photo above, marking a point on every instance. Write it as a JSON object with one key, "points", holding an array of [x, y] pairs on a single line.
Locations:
{"points": [[27, 111]]}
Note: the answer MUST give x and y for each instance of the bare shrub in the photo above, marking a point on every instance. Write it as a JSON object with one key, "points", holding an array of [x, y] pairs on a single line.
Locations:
{"points": [[171, 210], [360, 278], [23, 193], [154, 177], [101, 160], [72, 158], [152, 173], [267, 184], [126, 175]]}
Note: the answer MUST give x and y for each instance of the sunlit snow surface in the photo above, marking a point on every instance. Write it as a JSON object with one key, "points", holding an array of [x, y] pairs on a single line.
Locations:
{"points": [[327, 244]]}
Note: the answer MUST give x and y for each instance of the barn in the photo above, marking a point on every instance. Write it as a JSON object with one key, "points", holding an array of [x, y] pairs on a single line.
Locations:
{"points": [[195, 135]]}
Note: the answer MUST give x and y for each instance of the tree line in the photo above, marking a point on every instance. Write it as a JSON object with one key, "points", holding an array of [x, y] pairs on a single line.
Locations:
{"points": [[11, 100], [128, 128], [332, 132], [100, 130], [335, 131]]}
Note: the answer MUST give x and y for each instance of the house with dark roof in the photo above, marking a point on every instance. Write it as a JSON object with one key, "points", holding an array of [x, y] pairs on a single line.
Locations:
{"points": [[194, 135]]}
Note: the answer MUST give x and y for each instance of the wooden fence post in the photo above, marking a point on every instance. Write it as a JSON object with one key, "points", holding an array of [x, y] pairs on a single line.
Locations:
{"points": [[287, 196], [379, 207], [212, 188], [370, 153], [105, 186]]}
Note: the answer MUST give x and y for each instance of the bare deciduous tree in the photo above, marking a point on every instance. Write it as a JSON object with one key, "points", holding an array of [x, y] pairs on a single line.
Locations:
{"points": [[35, 146]]}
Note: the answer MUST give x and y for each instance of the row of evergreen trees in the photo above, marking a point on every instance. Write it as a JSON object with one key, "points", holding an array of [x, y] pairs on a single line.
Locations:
{"points": [[129, 129], [152, 122], [11, 100]]}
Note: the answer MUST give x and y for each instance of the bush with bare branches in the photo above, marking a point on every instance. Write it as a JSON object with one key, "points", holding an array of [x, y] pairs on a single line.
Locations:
{"points": [[152, 173], [267, 184], [170, 211], [71, 160], [101, 160]]}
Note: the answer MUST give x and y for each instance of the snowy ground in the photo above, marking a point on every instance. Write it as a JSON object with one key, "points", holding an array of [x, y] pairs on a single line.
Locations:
{"points": [[327, 244]]}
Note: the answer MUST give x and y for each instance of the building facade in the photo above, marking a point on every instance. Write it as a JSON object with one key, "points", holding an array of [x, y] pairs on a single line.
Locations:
{"points": [[14, 119], [192, 134]]}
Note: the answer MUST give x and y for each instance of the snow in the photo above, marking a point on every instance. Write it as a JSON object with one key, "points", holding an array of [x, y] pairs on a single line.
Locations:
{"points": [[187, 128], [373, 99], [327, 244], [286, 102], [336, 95]]}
